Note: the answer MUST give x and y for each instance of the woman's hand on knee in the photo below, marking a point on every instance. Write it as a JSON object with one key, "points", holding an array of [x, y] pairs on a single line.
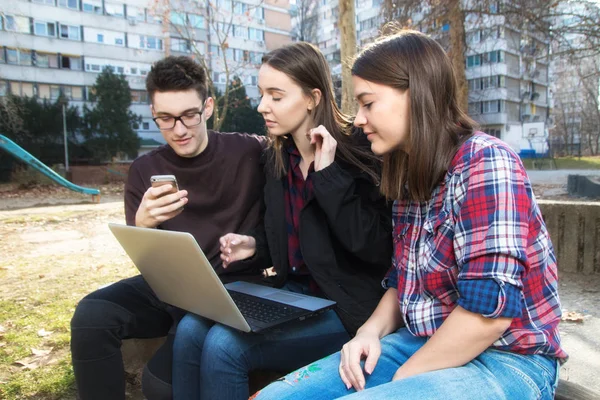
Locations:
{"points": [[364, 345]]}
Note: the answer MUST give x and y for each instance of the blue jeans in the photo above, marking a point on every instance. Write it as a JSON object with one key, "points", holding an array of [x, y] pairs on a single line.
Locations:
{"points": [[212, 361], [493, 375]]}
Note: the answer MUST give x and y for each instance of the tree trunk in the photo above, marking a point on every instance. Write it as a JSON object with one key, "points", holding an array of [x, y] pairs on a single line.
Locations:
{"points": [[348, 50], [457, 51]]}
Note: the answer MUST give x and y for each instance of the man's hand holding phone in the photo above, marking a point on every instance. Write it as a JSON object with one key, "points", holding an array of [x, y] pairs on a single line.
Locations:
{"points": [[161, 202]]}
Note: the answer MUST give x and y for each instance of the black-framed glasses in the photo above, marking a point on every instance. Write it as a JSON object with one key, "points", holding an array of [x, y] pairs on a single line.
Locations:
{"points": [[189, 119]]}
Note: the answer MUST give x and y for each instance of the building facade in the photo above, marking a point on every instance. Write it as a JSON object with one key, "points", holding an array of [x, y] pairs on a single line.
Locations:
{"points": [[49, 47], [506, 67]]}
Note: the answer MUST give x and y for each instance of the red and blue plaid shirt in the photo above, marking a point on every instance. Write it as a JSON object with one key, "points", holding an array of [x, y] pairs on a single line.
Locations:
{"points": [[298, 192], [479, 243]]}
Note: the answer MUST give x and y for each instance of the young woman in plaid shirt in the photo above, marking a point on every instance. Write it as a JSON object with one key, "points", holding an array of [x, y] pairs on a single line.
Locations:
{"points": [[474, 276]]}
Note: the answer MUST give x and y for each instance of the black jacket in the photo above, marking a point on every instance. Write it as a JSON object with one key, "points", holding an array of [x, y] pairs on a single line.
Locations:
{"points": [[345, 238]]}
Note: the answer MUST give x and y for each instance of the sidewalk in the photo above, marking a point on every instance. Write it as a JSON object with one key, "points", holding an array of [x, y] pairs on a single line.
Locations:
{"points": [[581, 293]]}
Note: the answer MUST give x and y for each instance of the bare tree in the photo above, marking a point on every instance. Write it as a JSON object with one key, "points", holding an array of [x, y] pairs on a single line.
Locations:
{"points": [[347, 52], [183, 22], [306, 21]]}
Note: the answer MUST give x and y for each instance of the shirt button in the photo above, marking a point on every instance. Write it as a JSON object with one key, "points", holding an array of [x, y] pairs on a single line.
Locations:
{"points": [[405, 302], [294, 269]]}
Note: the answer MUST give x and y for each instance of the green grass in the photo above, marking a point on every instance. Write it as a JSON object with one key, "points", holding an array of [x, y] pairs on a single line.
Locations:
{"points": [[44, 296], [22, 319], [570, 163]]}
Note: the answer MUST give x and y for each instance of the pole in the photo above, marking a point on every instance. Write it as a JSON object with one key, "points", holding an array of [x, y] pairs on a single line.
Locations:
{"points": [[64, 112]]}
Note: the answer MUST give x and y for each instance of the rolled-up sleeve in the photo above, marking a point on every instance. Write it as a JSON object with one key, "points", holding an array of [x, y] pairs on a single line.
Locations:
{"points": [[491, 233], [391, 279]]}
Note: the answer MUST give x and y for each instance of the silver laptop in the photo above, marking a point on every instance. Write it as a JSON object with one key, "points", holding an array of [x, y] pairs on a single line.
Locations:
{"points": [[177, 270]]}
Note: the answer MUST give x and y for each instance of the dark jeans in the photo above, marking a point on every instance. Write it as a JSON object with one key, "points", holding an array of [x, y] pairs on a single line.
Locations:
{"points": [[126, 309]]}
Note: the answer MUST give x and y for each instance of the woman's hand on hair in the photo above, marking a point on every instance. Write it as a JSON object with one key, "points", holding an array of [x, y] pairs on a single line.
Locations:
{"points": [[325, 147], [236, 247]]}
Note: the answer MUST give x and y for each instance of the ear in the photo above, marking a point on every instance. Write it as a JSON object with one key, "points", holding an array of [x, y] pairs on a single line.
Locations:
{"points": [[209, 108], [316, 99]]}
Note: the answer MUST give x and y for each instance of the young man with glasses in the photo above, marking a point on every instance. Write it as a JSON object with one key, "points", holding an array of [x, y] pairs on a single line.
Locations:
{"points": [[221, 182]]}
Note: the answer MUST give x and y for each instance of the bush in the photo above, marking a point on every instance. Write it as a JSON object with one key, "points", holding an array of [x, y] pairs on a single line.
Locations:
{"points": [[27, 177]]}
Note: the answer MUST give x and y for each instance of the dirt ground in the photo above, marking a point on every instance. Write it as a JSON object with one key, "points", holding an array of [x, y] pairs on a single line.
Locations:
{"points": [[55, 247]]}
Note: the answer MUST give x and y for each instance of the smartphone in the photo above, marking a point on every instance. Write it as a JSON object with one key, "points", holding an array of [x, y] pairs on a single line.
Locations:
{"points": [[159, 180]]}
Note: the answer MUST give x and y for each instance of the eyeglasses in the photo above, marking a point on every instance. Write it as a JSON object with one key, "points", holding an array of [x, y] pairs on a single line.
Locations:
{"points": [[188, 120]]}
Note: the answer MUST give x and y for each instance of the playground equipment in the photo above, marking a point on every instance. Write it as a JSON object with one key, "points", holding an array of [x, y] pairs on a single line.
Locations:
{"points": [[20, 153]]}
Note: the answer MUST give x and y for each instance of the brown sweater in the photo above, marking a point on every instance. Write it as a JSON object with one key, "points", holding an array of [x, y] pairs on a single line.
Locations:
{"points": [[224, 183]]}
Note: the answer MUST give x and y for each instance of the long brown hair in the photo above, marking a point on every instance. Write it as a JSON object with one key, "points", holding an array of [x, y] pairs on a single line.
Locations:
{"points": [[307, 67], [438, 125]]}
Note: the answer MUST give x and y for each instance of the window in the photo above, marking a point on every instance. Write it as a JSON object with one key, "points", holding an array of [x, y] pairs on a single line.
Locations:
{"points": [[196, 21], [76, 93], [133, 71], [177, 18], [27, 89], [92, 6], [240, 31], [100, 38], [73, 63], [20, 57], [140, 97], [2, 56], [68, 4], [12, 56], [145, 126], [473, 61], [3, 88], [474, 37], [16, 24], [120, 70], [42, 60], [143, 72], [69, 32], [493, 106], [474, 108], [240, 8], [240, 55], [45, 60], [44, 28], [67, 92], [54, 92], [119, 41], [150, 42], [259, 13], [180, 45], [135, 13], [493, 132], [215, 50], [255, 57], [114, 9], [48, 2], [257, 34]]}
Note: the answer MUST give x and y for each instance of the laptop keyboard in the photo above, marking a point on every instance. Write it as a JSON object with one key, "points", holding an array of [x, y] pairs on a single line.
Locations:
{"points": [[263, 310]]}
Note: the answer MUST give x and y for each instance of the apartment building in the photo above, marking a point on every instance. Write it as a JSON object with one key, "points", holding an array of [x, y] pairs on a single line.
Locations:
{"points": [[575, 84], [506, 67], [49, 47]]}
